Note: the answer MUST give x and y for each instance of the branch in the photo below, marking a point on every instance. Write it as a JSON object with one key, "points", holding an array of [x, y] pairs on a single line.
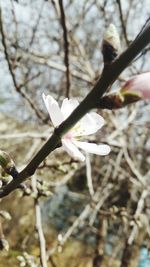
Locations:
{"points": [[54, 65], [140, 207], [39, 228], [16, 86], [109, 75], [122, 22], [89, 175], [66, 47], [41, 235]]}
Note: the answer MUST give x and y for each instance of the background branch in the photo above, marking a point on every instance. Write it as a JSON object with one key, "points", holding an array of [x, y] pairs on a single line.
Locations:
{"points": [[16, 86], [66, 47], [122, 22], [39, 228]]}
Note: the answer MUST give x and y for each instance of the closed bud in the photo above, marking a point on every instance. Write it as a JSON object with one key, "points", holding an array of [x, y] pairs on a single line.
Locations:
{"points": [[118, 100], [111, 101], [138, 85], [111, 44]]}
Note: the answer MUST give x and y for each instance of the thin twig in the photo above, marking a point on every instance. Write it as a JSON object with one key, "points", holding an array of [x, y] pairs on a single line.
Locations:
{"points": [[139, 209], [86, 64], [89, 175], [122, 22], [16, 86], [42, 242], [82, 217], [24, 135], [54, 65], [102, 196], [37, 22], [132, 166], [66, 47]]}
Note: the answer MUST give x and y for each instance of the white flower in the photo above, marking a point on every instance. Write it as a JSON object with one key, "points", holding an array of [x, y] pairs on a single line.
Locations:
{"points": [[89, 124]]}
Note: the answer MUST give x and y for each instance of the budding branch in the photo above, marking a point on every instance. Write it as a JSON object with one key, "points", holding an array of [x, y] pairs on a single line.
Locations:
{"points": [[109, 75]]}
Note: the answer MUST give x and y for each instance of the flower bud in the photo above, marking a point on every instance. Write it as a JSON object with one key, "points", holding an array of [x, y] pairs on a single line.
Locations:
{"points": [[138, 85], [117, 100], [111, 101], [111, 44], [7, 164]]}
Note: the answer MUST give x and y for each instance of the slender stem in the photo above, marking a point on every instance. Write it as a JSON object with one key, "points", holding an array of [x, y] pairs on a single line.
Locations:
{"points": [[66, 46], [122, 21], [39, 227]]}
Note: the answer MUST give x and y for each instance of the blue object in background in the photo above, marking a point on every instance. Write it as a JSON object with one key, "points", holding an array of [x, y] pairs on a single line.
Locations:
{"points": [[144, 258]]}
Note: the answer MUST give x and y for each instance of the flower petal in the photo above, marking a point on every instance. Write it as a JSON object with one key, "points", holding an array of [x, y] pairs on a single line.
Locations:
{"points": [[53, 109], [93, 148], [68, 105], [72, 150], [89, 124]]}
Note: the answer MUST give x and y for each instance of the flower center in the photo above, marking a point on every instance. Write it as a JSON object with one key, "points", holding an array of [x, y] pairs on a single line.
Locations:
{"points": [[78, 130], [75, 133], [69, 136]]}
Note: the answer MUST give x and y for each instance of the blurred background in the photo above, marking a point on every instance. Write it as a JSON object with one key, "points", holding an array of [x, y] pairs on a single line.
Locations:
{"points": [[72, 214]]}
